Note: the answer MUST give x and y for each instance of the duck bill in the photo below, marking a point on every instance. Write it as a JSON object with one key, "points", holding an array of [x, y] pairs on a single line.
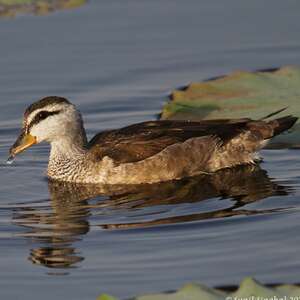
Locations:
{"points": [[23, 142]]}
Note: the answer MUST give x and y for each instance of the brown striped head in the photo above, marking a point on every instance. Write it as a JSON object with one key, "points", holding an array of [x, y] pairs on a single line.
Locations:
{"points": [[48, 119]]}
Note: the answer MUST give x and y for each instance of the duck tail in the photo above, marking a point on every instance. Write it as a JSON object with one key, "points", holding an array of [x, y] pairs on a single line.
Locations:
{"points": [[273, 113], [282, 124]]}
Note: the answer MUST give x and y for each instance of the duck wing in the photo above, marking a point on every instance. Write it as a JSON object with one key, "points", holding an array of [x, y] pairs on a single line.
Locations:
{"points": [[140, 141]]}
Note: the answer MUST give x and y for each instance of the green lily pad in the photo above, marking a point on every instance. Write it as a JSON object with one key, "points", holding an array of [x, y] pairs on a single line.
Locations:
{"points": [[106, 297], [248, 289], [239, 95], [11, 8]]}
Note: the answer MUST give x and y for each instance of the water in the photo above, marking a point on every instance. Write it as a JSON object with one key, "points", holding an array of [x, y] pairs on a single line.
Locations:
{"points": [[10, 160], [118, 61]]}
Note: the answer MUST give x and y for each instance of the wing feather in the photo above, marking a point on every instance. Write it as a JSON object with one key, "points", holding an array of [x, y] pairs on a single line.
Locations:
{"points": [[140, 141]]}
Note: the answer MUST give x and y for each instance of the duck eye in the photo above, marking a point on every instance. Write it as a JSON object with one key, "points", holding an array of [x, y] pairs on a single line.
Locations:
{"points": [[42, 115]]}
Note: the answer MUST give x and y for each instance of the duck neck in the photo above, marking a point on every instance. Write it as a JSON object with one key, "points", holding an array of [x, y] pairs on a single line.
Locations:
{"points": [[67, 155]]}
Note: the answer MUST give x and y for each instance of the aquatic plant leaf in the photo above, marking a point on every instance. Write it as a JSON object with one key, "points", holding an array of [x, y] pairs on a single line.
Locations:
{"points": [[106, 297], [11, 8], [241, 94], [190, 291], [248, 288]]}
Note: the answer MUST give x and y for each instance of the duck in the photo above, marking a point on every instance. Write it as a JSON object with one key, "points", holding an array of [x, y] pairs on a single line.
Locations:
{"points": [[147, 152]]}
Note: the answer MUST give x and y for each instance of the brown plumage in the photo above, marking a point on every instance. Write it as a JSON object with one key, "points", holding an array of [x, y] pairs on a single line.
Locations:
{"points": [[140, 141]]}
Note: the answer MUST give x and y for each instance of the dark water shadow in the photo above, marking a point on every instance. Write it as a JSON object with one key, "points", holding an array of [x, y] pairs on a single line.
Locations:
{"points": [[58, 227]]}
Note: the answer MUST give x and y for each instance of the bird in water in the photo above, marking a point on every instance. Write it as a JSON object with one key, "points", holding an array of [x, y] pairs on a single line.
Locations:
{"points": [[146, 152]]}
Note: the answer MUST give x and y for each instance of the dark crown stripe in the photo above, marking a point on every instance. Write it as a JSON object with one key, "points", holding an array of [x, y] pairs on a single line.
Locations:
{"points": [[51, 100], [42, 115]]}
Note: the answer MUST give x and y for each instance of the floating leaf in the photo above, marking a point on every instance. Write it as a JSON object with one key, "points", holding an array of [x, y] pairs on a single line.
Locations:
{"points": [[106, 297], [10, 8], [239, 95], [248, 289]]}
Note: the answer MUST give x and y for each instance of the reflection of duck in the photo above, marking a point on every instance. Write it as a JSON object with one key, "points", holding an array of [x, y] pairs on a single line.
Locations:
{"points": [[141, 153], [58, 228], [243, 185]]}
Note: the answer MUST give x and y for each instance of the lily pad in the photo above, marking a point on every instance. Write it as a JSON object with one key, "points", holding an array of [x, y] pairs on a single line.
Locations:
{"points": [[106, 297], [241, 94], [248, 289], [11, 8]]}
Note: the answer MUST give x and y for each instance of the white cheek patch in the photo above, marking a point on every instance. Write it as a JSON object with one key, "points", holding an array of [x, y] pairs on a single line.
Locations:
{"points": [[45, 130], [60, 121], [29, 121]]}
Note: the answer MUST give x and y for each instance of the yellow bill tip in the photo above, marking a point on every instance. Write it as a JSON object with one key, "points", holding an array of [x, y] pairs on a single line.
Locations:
{"points": [[23, 142]]}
